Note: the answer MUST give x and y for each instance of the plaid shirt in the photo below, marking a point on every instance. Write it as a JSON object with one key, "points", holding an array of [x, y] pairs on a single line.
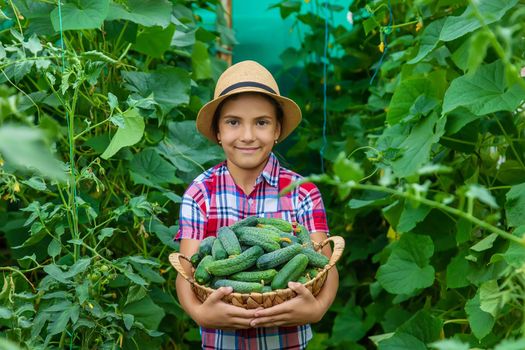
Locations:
{"points": [[214, 200]]}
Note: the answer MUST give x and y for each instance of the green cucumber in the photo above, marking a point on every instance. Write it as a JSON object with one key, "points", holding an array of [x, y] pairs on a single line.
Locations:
{"points": [[255, 276], [302, 279], [312, 273], [291, 271], [247, 222], [217, 250], [304, 236], [238, 263], [266, 289], [316, 259], [205, 245], [201, 272], [258, 231], [281, 224], [258, 239], [278, 257], [196, 259], [293, 239], [229, 241], [239, 286]]}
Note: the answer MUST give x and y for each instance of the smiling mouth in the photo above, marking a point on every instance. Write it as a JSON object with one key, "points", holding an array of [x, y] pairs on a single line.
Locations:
{"points": [[247, 149]]}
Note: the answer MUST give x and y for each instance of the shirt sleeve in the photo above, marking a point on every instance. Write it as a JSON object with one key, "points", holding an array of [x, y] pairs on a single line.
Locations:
{"points": [[192, 217], [311, 212]]}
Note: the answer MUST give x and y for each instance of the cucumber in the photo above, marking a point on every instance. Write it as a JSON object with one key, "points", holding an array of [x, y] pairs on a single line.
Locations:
{"points": [[302, 279], [217, 250], [291, 271], [238, 263], [278, 257], [247, 222], [303, 236], [312, 273], [258, 239], [266, 289], [239, 286], [315, 259], [281, 224], [258, 231], [229, 241], [205, 245], [293, 239], [201, 273], [255, 276], [196, 259]]}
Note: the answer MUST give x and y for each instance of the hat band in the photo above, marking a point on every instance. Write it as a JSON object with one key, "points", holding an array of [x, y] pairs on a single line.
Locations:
{"points": [[245, 84]]}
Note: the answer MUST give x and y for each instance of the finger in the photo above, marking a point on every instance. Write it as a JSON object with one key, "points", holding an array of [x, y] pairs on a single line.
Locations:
{"points": [[219, 294], [299, 288], [272, 311], [236, 311], [238, 323], [272, 321]]}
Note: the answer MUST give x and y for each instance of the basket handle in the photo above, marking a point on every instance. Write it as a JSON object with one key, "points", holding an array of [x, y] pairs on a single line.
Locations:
{"points": [[337, 251], [174, 259]]}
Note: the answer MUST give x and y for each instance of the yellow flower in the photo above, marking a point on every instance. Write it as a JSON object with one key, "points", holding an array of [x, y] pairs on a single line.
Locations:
{"points": [[1, 162], [338, 88], [392, 235], [16, 187], [419, 25], [381, 46]]}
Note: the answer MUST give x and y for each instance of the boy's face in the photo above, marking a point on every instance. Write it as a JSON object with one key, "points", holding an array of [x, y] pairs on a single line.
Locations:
{"points": [[248, 129]]}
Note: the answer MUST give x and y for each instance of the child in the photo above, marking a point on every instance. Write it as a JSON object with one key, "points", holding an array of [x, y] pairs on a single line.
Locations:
{"points": [[247, 117]]}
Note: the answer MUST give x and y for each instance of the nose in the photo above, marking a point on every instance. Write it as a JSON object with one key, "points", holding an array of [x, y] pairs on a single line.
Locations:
{"points": [[247, 134]]}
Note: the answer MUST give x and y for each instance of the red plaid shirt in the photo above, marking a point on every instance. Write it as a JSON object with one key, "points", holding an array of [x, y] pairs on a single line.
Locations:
{"points": [[214, 200]]}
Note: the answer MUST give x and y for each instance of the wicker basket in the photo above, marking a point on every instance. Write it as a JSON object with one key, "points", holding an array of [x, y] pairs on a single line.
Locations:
{"points": [[255, 300]]}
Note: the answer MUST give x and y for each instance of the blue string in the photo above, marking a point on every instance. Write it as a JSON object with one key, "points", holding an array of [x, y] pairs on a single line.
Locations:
{"points": [[325, 66], [385, 38]]}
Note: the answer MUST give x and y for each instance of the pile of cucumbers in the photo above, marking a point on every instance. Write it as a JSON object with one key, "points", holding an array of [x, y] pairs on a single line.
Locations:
{"points": [[257, 255]]}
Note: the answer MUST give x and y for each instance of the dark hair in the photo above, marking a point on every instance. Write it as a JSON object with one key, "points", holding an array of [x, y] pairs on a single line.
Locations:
{"points": [[215, 121]]}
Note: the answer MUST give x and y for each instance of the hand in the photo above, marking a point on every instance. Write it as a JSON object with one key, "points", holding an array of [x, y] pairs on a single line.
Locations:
{"points": [[215, 313], [302, 309]]}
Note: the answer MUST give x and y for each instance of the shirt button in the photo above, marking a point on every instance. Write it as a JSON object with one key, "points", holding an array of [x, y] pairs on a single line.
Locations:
{"points": [[250, 201]]}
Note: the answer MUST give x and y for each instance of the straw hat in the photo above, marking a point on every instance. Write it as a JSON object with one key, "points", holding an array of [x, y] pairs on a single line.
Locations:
{"points": [[247, 76]]}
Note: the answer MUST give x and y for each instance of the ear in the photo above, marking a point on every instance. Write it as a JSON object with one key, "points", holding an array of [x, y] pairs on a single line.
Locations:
{"points": [[277, 133]]}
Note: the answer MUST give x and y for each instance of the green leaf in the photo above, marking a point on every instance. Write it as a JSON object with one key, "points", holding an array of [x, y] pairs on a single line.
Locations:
{"points": [[350, 317], [457, 271], [81, 14], [481, 322], [411, 216], [409, 90], [348, 169], [36, 182], [5, 313], [146, 312], [145, 12], [482, 194], [54, 248], [514, 205], [129, 135], [423, 326], [417, 146], [511, 344], [22, 148], [200, 61], [402, 341], [490, 10], [515, 253], [490, 297], [429, 40], [407, 268], [128, 320], [485, 91], [170, 86], [485, 243], [105, 233], [450, 344], [150, 169], [154, 41]]}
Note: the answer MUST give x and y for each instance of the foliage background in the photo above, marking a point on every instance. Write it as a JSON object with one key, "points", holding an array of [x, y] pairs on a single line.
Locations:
{"points": [[424, 153]]}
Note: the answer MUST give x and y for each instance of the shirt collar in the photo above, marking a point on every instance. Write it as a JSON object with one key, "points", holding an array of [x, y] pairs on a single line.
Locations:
{"points": [[270, 172]]}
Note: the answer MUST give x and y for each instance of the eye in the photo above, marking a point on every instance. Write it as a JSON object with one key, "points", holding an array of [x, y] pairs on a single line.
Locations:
{"points": [[263, 122], [232, 122]]}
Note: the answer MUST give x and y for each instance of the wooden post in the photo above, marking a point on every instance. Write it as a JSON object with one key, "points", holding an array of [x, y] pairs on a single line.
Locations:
{"points": [[227, 5]]}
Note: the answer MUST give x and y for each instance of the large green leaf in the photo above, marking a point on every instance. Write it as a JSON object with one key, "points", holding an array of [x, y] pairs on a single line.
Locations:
{"points": [[200, 61], [423, 326], [170, 86], [515, 204], [154, 41], [407, 93], [490, 10], [145, 12], [128, 135], [146, 312], [481, 322], [411, 216], [483, 92], [81, 14], [515, 253], [150, 169], [402, 341], [407, 268], [22, 148], [188, 150], [417, 146], [457, 271], [429, 40]]}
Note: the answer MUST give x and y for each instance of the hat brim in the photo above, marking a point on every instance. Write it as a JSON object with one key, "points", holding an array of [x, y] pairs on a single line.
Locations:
{"points": [[291, 113]]}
